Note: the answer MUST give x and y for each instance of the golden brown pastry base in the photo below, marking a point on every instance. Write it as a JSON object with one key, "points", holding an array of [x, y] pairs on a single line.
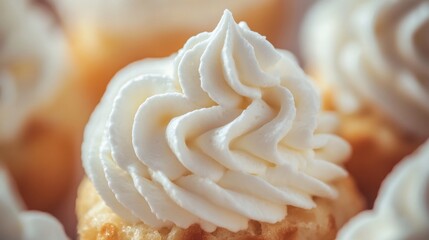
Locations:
{"points": [[97, 221], [99, 54], [378, 145]]}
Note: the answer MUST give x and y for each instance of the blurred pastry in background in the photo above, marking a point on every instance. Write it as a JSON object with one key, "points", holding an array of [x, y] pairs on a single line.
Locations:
{"points": [[108, 35], [38, 130], [371, 60], [401, 210], [17, 223], [223, 140]]}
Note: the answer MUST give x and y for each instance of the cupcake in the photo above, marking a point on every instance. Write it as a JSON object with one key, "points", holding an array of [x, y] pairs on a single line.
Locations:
{"points": [[371, 58], [401, 210], [38, 138], [224, 140], [17, 224], [108, 35]]}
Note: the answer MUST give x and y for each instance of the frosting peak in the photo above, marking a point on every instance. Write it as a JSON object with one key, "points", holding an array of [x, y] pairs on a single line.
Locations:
{"points": [[222, 55], [223, 132]]}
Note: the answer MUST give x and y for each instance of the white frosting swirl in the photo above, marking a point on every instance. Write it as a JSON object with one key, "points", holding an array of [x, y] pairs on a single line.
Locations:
{"points": [[375, 52], [31, 58], [221, 133], [401, 210], [17, 224]]}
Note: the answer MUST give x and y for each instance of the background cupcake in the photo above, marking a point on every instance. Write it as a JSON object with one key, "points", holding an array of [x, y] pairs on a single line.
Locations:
{"points": [[41, 119], [401, 210], [371, 58]]}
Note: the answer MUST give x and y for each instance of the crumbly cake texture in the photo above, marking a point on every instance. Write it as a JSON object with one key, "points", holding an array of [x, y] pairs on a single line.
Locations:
{"points": [[378, 145], [97, 221]]}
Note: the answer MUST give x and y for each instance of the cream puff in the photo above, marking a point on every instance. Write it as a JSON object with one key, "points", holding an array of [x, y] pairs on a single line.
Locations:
{"points": [[224, 140]]}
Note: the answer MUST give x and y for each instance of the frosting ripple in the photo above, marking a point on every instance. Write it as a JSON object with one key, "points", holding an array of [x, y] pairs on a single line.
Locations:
{"points": [[227, 130]]}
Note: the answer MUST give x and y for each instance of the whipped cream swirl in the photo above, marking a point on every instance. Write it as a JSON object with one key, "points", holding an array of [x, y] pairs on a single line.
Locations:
{"points": [[226, 131], [31, 58], [374, 52], [17, 224], [401, 210]]}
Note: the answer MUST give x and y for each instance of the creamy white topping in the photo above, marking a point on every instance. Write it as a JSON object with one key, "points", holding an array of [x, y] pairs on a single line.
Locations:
{"points": [[401, 210], [374, 52], [31, 58], [221, 133], [18, 224]]}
